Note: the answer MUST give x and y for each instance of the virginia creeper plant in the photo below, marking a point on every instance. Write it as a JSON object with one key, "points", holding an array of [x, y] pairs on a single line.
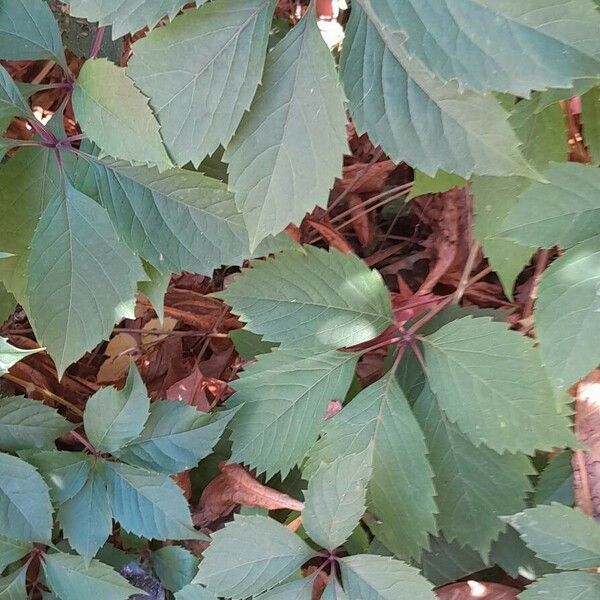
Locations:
{"points": [[413, 482]]}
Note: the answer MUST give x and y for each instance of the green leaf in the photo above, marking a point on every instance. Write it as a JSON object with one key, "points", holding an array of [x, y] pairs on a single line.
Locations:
{"points": [[13, 586], [128, 16], [155, 288], [555, 483], [86, 518], [12, 103], [175, 566], [26, 423], [381, 578], [334, 591], [27, 182], [70, 578], [335, 498], [564, 586], [401, 489], [11, 551], [177, 221], [64, 472], [82, 279], [590, 115], [441, 182], [10, 355], [416, 117], [7, 303], [490, 382], [28, 31], [200, 104], [148, 504], [299, 105], [311, 297], [112, 417], [116, 116], [512, 555], [249, 556], [446, 562], [469, 480], [25, 510], [567, 322], [560, 535], [505, 47], [283, 399], [544, 139], [300, 589], [563, 212], [249, 345], [194, 592], [176, 437]]}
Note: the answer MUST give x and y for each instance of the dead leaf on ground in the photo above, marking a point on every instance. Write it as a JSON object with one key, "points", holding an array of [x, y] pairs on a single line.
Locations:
{"points": [[333, 237], [372, 176], [154, 326], [234, 487], [586, 465], [191, 390], [362, 221], [115, 367], [476, 590]]}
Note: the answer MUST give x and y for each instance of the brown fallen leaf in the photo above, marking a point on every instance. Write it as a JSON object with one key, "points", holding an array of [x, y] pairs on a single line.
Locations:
{"points": [[362, 221], [333, 237], [476, 590], [115, 367], [153, 326], [191, 390], [372, 176], [236, 486], [586, 465]]}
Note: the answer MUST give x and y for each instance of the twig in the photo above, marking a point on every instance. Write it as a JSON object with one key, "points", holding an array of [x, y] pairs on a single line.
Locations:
{"points": [[40, 390], [97, 42], [48, 66], [541, 263], [464, 278]]}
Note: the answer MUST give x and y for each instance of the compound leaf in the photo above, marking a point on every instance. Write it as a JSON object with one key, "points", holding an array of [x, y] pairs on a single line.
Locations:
{"points": [[176, 437], [416, 117], [490, 382], [194, 592], [26, 423], [300, 589], [28, 31], [563, 536], [335, 498], [25, 510], [12, 103], [249, 556], [200, 103], [282, 399], [155, 288], [311, 297], [555, 483], [563, 212], [71, 578], [148, 504], [82, 279], [567, 322], [86, 518], [116, 116], [299, 105], [112, 417], [401, 491], [563, 586], [381, 578], [469, 480]]}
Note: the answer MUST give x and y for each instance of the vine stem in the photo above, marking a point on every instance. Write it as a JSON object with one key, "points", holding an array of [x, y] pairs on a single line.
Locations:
{"points": [[464, 278], [85, 443], [97, 42], [40, 390]]}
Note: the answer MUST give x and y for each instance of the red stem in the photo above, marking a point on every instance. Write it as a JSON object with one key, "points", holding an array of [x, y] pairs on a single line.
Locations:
{"points": [[97, 42]]}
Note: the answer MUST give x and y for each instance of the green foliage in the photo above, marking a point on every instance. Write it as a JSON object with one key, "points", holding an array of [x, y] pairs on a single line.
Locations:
{"points": [[222, 129]]}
